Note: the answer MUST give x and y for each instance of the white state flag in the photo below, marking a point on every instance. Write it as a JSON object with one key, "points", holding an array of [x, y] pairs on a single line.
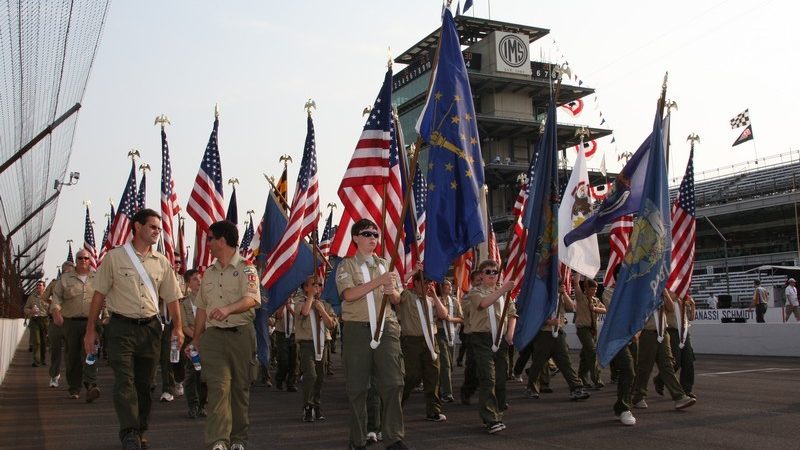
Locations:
{"points": [[582, 256]]}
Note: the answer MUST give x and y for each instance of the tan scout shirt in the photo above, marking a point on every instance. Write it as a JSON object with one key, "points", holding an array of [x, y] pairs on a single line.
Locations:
{"points": [[187, 312], [584, 315], [410, 324], [222, 286], [280, 323], [479, 318], [562, 313], [302, 328], [73, 296], [348, 275], [457, 313], [126, 293], [39, 303]]}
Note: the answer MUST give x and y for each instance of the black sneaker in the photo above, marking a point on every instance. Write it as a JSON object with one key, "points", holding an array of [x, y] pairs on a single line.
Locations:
{"points": [[448, 398], [579, 394], [92, 394], [317, 413], [131, 441], [399, 445], [598, 386], [530, 393], [546, 390], [193, 413], [438, 417], [496, 427], [308, 414]]}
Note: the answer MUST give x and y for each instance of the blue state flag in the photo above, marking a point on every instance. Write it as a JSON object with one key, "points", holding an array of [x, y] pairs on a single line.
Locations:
{"points": [[303, 266], [455, 167], [646, 265], [539, 291], [329, 291], [625, 196]]}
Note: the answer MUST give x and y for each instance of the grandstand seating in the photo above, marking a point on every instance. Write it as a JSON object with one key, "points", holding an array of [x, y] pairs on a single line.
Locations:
{"points": [[741, 286]]}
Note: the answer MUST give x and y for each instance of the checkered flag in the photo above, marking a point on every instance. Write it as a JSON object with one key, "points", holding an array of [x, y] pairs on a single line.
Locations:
{"points": [[741, 120]]}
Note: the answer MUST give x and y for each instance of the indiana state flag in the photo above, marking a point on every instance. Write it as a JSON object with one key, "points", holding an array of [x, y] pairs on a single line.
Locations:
{"points": [[646, 266], [539, 292], [303, 266], [455, 167]]}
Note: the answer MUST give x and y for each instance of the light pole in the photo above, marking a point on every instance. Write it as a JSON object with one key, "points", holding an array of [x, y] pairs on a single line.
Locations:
{"points": [[725, 250]]}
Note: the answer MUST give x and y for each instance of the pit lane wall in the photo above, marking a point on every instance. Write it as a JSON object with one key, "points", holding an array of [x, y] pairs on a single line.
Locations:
{"points": [[11, 331], [710, 336]]}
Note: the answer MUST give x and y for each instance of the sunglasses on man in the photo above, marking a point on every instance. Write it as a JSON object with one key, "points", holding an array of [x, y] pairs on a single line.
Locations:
{"points": [[491, 272], [369, 234]]}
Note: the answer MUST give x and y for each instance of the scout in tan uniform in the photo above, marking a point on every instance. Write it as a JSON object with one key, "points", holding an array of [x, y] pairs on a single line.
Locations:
{"points": [[286, 349], [55, 333], [487, 302], [72, 298], [227, 338], [446, 336], [362, 280], [36, 311], [652, 352], [196, 391], [134, 331], [551, 342], [470, 384], [587, 308], [418, 312], [315, 320]]}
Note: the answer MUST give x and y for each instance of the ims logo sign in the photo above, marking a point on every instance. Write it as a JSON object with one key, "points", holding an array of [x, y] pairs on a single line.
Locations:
{"points": [[513, 50]]}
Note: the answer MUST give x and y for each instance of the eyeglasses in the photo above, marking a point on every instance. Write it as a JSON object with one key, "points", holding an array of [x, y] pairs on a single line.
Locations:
{"points": [[491, 272], [211, 237], [369, 234], [316, 284], [81, 257]]}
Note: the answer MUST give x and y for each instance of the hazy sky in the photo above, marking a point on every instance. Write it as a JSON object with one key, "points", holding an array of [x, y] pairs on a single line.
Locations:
{"points": [[260, 61]]}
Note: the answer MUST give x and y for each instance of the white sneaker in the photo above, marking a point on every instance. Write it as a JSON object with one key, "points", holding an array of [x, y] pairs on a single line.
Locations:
{"points": [[53, 382], [684, 402], [372, 437], [167, 397], [641, 404], [179, 390], [627, 418]]}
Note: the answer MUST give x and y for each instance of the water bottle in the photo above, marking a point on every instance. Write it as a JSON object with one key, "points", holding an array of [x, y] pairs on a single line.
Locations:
{"points": [[91, 358], [194, 355], [174, 353]]}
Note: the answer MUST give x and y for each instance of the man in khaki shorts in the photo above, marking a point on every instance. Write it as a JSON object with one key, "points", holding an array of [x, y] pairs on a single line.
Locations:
{"points": [[226, 338]]}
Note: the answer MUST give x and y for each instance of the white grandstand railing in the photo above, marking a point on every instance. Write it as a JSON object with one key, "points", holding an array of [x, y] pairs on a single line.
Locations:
{"points": [[752, 165]]}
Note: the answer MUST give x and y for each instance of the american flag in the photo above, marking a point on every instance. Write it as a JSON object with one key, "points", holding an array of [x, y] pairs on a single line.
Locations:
{"points": [[206, 204], [70, 258], [121, 226], [565, 274], [103, 249], [88, 241], [372, 168], [417, 237], [515, 249], [462, 267], [494, 250], [327, 236], [142, 194], [303, 217], [683, 233], [169, 201], [618, 239], [233, 209], [244, 248]]}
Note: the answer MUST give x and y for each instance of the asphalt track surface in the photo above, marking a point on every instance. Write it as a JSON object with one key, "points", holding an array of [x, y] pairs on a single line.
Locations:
{"points": [[743, 402]]}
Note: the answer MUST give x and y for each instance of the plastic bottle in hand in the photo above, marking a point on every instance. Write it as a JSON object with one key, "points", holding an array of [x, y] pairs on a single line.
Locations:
{"points": [[194, 355], [174, 353], [91, 358]]}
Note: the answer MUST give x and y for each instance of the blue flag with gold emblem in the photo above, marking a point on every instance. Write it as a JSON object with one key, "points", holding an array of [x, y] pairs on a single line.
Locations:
{"points": [[455, 167], [646, 265], [539, 291]]}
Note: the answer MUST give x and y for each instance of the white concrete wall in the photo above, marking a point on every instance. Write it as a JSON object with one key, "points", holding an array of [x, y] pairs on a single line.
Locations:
{"points": [[11, 331]]}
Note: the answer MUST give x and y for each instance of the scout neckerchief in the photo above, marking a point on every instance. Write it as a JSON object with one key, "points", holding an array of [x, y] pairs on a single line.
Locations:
{"points": [[427, 324], [683, 324], [316, 331], [493, 321], [288, 319], [661, 320], [448, 327], [148, 283], [371, 309]]}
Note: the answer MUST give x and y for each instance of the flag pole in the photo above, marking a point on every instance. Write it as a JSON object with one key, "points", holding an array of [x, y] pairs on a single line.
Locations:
{"points": [[314, 245]]}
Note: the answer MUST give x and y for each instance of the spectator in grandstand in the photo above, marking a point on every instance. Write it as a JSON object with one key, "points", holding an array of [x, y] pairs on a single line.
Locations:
{"points": [[760, 299], [792, 306]]}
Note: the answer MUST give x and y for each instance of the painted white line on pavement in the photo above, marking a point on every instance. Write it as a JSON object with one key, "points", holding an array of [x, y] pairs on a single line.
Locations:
{"points": [[768, 369]]}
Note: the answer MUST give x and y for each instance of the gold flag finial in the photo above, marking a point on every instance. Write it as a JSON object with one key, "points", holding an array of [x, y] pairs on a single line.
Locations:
{"points": [[216, 111], [310, 104], [144, 167], [367, 110], [332, 206], [133, 154], [233, 182], [87, 203], [693, 138], [285, 159], [163, 120]]}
